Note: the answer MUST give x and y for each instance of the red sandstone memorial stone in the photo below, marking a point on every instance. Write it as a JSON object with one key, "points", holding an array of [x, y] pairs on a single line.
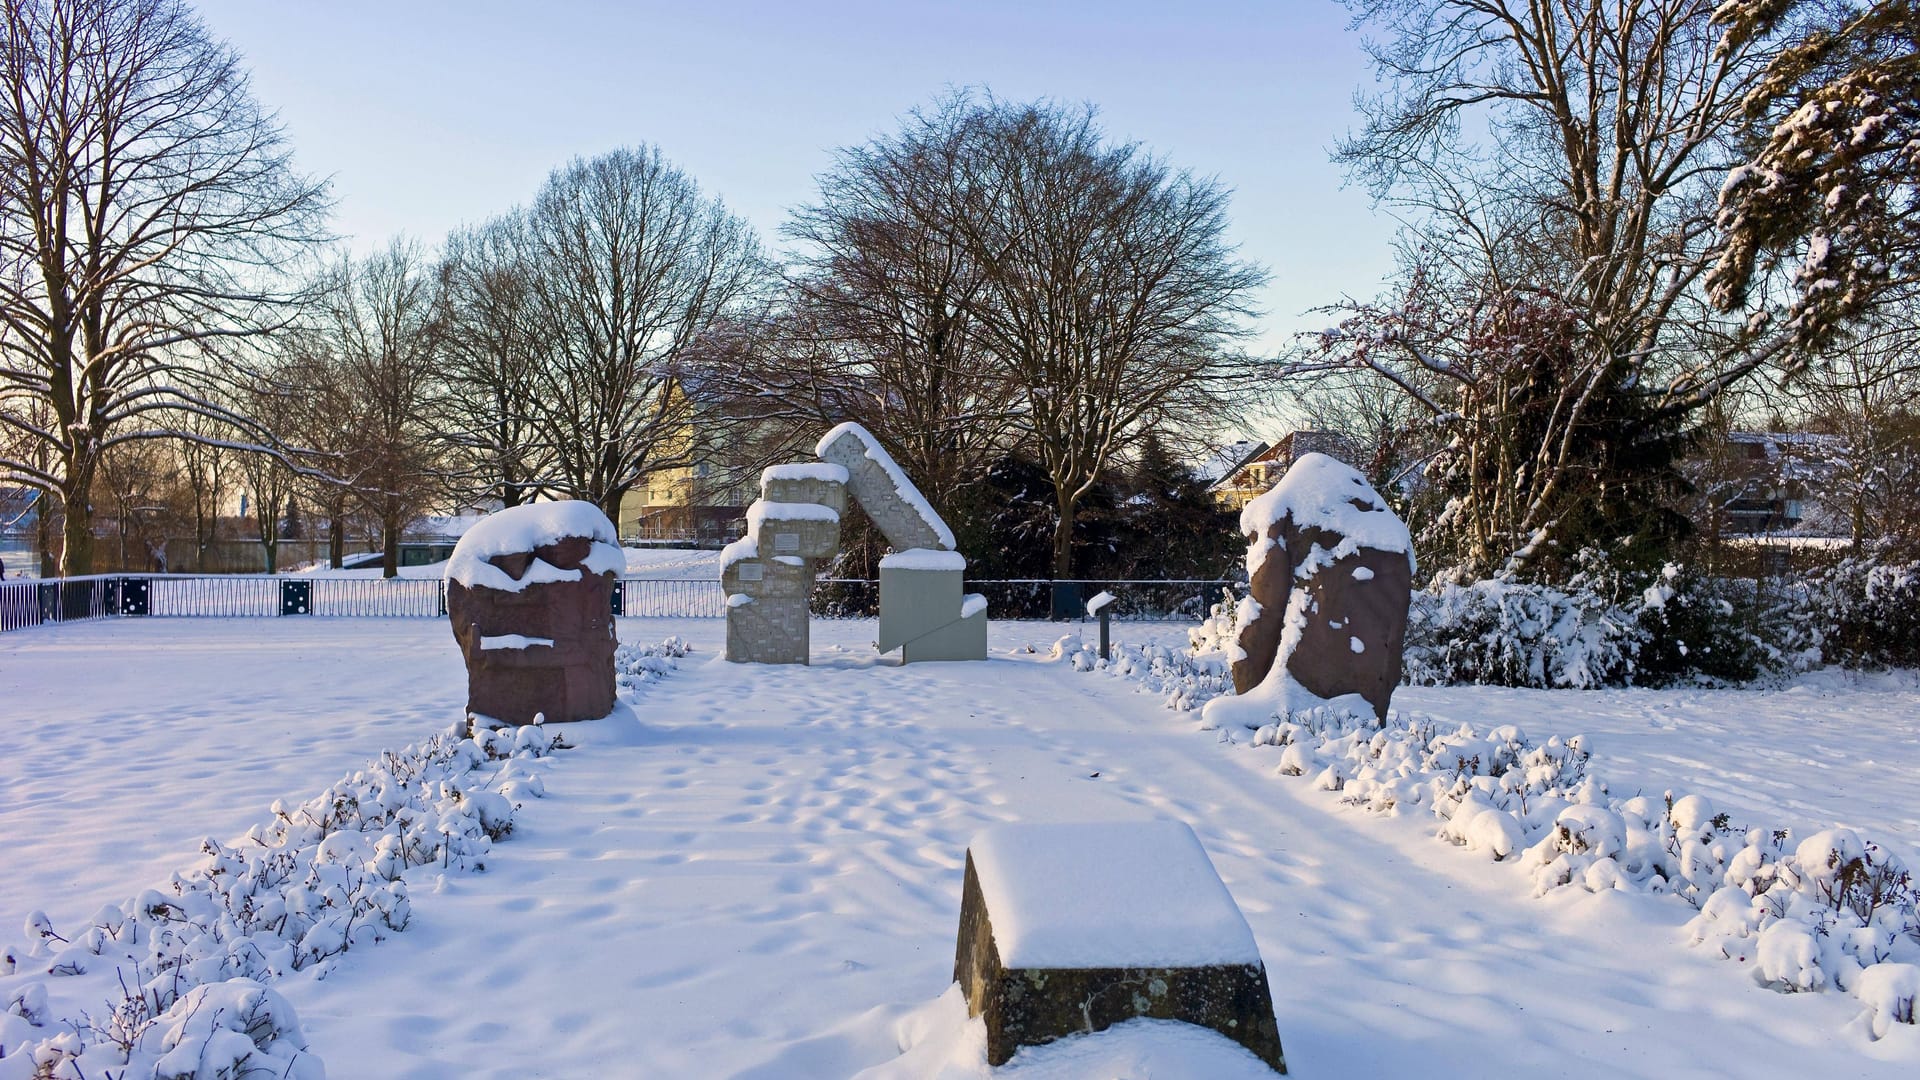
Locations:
{"points": [[529, 592], [1330, 571]]}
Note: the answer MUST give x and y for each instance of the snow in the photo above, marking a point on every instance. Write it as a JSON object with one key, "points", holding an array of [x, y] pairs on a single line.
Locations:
{"points": [[513, 641], [739, 551], [904, 487], [523, 528], [924, 559], [763, 511], [806, 470], [1101, 894], [1099, 601], [764, 863], [1320, 492], [972, 604]]}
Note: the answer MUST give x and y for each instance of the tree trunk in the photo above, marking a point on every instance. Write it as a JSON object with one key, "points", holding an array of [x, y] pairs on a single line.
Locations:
{"points": [[1063, 540], [43, 526], [390, 548], [336, 540], [76, 552]]}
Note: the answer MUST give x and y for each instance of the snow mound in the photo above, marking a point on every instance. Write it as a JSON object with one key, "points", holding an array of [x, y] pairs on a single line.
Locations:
{"points": [[939, 1042]]}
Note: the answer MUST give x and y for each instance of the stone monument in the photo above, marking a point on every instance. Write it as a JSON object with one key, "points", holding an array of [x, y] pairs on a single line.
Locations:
{"points": [[795, 525], [1073, 928], [1330, 572], [530, 595]]}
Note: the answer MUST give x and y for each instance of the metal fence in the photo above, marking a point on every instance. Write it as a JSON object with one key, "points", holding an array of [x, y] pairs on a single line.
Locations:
{"points": [[34, 603], [1040, 598]]}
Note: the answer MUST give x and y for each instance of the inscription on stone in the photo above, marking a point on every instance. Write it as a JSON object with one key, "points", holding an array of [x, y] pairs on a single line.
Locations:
{"points": [[752, 572]]}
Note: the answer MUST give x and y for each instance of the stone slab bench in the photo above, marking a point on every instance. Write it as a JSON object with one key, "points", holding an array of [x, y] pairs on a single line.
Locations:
{"points": [[1071, 928]]}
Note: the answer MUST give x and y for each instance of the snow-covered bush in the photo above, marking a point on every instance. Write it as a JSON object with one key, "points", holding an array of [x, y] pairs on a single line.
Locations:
{"points": [[1832, 910], [183, 968], [1604, 627], [1860, 612]]}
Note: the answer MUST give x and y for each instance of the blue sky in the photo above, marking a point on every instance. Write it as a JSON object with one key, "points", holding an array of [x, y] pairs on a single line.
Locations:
{"points": [[430, 114]]}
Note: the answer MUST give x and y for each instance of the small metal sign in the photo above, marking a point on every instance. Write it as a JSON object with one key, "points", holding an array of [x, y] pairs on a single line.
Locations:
{"points": [[752, 572], [786, 542]]}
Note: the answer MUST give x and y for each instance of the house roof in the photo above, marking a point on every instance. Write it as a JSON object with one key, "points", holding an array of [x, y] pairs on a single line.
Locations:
{"points": [[1228, 459]]}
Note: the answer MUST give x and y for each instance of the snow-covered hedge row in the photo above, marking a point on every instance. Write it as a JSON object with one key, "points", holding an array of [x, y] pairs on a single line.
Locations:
{"points": [[183, 969], [1607, 627], [1833, 910]]}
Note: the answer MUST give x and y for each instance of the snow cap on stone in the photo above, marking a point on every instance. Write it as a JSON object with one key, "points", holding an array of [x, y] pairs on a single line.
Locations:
{"points": [[1111, 894], [518, 529], [1319, 492], [806, 470]]}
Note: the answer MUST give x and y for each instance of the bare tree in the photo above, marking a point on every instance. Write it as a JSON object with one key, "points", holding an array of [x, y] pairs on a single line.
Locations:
{"points": [[1110, 299], [1559, 161], [629, 265], [880, 325], [271, 478], [376, 336], [144, 199], [490, 351]]}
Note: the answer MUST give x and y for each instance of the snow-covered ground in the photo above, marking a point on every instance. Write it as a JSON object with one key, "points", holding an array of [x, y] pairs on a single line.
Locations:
{"points": [[760, 877]]}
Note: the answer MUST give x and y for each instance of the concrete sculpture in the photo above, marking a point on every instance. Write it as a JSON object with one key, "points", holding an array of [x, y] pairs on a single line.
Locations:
{"points": [[1330, 572], [795, 524], [529, 592]]}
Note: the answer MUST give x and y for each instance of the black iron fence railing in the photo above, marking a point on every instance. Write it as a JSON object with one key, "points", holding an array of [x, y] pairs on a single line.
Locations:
{"points": [[35, 602]]}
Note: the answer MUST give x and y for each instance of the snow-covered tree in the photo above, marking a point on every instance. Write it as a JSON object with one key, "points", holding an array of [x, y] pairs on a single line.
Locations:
{"points": [[1558, 165], [1835, 179]]}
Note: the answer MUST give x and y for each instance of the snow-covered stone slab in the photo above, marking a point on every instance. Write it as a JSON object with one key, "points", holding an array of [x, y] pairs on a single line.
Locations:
{"points": [[802, 530], [808, 482], [1072, 928], [898, 509]]}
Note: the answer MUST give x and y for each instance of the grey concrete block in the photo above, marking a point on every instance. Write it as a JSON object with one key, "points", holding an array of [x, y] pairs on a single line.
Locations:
{"points": [[897, 508], [914, 603], [771, 626], [769, 630], [800, 538], [790, 484], [962, 639]]}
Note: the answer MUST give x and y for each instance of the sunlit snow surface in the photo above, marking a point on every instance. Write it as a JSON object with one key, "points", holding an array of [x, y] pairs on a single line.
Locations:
{"points": [[762, 878]]}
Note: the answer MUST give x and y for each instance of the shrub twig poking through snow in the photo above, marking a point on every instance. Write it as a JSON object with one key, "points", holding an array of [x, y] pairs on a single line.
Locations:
{"points": [[189, 962], [1832, 911]]}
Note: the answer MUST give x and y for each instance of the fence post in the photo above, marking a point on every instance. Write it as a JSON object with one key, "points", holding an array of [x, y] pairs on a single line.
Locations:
{"points": [[296, 598], [134, 596]]}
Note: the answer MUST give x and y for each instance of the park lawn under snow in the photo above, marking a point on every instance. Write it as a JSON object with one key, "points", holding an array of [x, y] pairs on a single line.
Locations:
{"points": [[757, 872]]}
